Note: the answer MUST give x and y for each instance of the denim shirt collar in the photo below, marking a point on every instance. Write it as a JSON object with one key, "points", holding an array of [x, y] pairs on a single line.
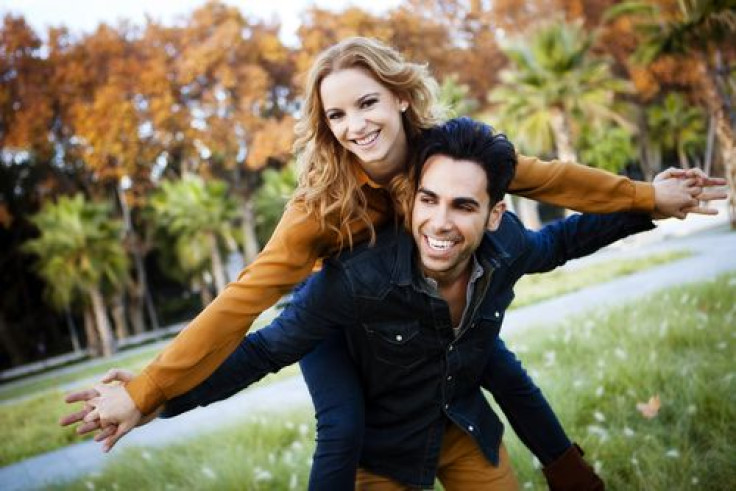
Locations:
{"points": [[490, 250]]}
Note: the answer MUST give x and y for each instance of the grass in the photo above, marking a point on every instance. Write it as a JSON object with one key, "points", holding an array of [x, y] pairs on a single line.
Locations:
{"points": [[538, 287], [593, 369]]}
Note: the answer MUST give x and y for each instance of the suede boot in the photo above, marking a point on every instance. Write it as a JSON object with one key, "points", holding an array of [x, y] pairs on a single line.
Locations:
{"points": [[571, 472]]}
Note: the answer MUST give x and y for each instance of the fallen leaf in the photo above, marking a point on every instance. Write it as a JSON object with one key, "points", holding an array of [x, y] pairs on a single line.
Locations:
{"points": [[650, 408]]}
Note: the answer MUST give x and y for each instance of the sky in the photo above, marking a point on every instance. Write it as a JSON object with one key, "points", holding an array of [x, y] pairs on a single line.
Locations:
{"points": [[85, 15]]}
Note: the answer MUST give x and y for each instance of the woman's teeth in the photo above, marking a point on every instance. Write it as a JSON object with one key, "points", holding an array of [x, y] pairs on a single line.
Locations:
{"points": [[368, 139]]}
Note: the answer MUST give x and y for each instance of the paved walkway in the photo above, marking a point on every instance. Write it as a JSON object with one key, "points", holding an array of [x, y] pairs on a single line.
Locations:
{"points": [[714, 253]]}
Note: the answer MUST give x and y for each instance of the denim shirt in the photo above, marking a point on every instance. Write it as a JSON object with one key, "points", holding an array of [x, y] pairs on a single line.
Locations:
{"points": [[417, 373]]}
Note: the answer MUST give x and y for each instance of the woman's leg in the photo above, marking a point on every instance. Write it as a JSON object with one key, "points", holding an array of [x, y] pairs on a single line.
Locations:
{"points": [[337, 395]]}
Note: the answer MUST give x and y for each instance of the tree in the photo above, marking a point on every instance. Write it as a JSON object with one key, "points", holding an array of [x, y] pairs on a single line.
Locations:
{"points": [[79, 253], [199, 214], [701, 28], [675, 125], [553, 81], [272, 197]]}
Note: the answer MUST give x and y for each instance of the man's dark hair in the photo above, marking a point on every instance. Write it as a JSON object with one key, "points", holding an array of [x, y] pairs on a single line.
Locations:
{"points": [[465, 139]]}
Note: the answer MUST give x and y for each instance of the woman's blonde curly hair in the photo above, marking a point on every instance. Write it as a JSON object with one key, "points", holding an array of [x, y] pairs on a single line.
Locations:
{"points": [[327, 184]]}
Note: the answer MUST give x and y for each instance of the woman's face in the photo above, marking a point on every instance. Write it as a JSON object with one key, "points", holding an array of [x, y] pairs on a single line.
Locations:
{"points": [[365, 117]]}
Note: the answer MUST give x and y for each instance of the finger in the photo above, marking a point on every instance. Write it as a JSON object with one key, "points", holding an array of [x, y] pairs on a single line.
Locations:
{"points": [[93, 415], [711, 194], [88, 427], [112, 440], [696, 172], [117, 375], [700, 210], [714, 181], [82, 395], [672, 172], [106, 433], [73, 417]]}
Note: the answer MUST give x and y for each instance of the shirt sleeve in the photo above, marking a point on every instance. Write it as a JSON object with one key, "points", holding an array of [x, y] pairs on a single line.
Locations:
{"points": [[576, 236], [580, 187], [288, 258]]}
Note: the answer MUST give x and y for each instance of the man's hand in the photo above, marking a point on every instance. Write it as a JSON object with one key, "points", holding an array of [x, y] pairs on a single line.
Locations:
{"points": [[89, 415], [678, 192]]}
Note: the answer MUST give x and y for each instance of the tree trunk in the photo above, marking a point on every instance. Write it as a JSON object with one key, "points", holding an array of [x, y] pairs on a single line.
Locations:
{"points": [[117, 310], [140, 290], [650, 155], [724, 133], [137, 320], [107, 340], [563, 139], [204, 291], [218, 268], [248, 226], [90, 329], [529, 213], [682, 156], [72, 331]]}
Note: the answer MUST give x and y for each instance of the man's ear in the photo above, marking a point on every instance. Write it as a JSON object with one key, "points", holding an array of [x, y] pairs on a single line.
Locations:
{"points": [[494, 217]]}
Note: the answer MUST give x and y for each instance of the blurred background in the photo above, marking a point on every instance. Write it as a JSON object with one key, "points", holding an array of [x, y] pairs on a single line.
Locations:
{"points": [[145, 157]]}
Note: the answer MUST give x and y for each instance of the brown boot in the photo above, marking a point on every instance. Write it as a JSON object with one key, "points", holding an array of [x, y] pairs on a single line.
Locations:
{"points": [[571, 472]]}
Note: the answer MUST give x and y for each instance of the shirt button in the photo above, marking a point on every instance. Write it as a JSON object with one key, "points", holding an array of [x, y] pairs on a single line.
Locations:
{"points": [[450, 348], [399, 337], [447, 406], [497, 314], [471, 428], [449, 377]]}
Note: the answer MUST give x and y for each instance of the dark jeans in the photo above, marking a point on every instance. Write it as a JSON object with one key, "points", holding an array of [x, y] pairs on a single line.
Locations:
{"points": [[335, 387]]}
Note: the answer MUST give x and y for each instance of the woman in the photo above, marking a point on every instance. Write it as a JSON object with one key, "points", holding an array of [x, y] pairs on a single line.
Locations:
{"points": [[364, 107]]}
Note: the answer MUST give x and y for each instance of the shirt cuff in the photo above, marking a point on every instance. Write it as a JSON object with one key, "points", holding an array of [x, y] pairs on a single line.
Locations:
{"points": [[145, 393], [643, 197]]}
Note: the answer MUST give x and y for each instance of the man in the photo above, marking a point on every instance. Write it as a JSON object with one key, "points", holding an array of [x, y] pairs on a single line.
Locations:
{"points": [[422, 316]]}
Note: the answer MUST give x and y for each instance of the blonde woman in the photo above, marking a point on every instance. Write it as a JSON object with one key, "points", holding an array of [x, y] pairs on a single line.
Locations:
{"points": [[364, 108]]}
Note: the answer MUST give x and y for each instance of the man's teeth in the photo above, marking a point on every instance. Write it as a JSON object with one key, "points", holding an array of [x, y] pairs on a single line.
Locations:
{"points": [[368, 139], [440, 245]]}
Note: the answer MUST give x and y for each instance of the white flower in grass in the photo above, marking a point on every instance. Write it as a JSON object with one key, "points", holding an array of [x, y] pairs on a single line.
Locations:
{"points": [[684, 299], [549, 358], [293, 481], [732, 282], [578, 383], [303, 429], [598, 431], [722, 345], [536, 463], [89, 485], [695, 480], [534, 374], [297, 446], [272, 458], [621, 354], [146, 455], [208, 472], [528, 485], [290, 425], [597, 466], [599, 416], [634, 461], [599, 391], [261, 475], [672, 453], [628, 432], [653, 356], [692, 409]]}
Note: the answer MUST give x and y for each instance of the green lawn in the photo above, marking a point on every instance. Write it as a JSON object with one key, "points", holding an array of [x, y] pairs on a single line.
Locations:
{"points": [[594, 369], [537, 287]]}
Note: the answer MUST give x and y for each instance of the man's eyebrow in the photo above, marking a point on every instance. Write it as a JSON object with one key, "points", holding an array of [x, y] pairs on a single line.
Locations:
{"points": [[465, 201]]}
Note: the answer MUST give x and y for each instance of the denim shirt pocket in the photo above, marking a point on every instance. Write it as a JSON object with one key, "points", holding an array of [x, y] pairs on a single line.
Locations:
{"points": [[395, 343]]}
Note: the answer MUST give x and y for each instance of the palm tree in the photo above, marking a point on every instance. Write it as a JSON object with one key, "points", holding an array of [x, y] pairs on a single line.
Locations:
{"points": [[677, 126], [200, 216], [696, 29], [79, 252], [454, 97], [271, 198], [553, 81]]}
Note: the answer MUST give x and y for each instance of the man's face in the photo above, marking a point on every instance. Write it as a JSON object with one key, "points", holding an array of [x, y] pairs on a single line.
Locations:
{"points": [[451, 212]]}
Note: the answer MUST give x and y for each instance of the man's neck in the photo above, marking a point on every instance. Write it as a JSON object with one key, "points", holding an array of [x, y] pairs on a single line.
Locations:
{"points": [[454, 293]]}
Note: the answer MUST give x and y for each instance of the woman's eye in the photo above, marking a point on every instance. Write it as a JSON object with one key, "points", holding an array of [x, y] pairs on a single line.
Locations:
{"points": [[368, 103], [334, 116]]}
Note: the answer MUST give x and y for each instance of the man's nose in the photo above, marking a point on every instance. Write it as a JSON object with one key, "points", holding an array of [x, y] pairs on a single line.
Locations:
{"points": [[441, 219]]}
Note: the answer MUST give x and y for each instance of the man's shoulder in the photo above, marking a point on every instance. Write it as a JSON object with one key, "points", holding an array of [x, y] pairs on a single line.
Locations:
{"points": [[510, 237], [382, 250]]}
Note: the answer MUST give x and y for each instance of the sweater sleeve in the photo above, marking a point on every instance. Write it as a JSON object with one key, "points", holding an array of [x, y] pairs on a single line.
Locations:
{"points": [[580, 187], [288, 258]]}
